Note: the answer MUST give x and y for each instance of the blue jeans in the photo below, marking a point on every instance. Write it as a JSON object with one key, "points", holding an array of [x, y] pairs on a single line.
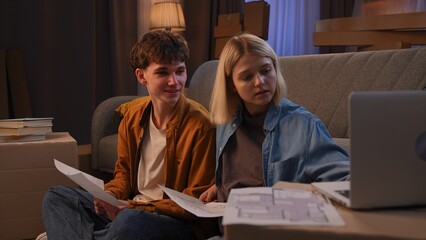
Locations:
{"points": [[69, 213]]}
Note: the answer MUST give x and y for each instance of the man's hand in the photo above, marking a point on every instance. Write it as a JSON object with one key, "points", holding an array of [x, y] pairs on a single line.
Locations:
{"points": [[102, 207], [209, 195]]}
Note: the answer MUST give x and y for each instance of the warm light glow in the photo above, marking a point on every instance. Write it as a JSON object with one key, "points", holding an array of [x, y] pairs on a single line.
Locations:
{"points": [[167, 15]]}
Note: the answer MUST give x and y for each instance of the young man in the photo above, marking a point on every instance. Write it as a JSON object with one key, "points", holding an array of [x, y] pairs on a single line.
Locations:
{"points": [[165, 139]]}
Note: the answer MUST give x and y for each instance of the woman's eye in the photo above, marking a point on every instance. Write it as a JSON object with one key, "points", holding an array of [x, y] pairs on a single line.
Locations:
{"points": [[265, 71], [246, 77]]}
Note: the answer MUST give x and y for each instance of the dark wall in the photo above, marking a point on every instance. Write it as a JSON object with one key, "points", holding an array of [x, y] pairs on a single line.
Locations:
{"points": [[72, 58], [75, 54], [198, 18], [56, 41]]}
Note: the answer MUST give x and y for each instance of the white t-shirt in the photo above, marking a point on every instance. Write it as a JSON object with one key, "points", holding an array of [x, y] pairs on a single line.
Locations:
{"points": [[150, 172]]}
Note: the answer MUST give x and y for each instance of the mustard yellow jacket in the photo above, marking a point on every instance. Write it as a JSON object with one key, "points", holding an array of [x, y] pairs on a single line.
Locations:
{"points": [[189, 159]]}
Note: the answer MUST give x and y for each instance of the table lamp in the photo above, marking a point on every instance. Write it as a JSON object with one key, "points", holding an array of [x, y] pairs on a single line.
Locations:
{"points": [[167, 15]]}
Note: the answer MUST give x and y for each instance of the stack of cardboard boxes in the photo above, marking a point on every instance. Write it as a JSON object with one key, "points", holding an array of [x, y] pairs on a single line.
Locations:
{"points": [[227, 26], [254, 20], [26, 173]]}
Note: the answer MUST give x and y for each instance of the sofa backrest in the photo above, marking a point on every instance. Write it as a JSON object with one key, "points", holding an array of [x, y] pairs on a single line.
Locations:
{"points": [[323, 82], [201, 84]]}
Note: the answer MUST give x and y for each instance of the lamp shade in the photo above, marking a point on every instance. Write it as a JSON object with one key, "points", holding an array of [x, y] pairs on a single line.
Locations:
{"points": [[167, 15]]}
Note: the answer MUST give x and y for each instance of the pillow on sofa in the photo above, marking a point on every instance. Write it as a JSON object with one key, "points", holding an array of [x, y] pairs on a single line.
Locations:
{"points": [[123, 108]]}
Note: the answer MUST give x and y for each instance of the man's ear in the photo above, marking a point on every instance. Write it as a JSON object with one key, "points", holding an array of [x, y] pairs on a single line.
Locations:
{"points": [[140, 75]]}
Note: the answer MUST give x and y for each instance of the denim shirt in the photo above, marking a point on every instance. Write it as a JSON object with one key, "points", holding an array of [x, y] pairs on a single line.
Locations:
{"points": [[297, 147]]}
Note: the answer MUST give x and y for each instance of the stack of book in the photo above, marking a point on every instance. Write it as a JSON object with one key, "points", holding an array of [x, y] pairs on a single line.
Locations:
{"points": [[24, 129]]}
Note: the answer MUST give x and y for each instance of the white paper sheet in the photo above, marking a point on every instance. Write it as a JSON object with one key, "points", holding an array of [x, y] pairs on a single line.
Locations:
{"points": [[270, 206], [194, 205], [90, 183]]}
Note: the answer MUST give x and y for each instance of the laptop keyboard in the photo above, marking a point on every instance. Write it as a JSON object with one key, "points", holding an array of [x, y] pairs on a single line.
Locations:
{"points": [[344, 192]]}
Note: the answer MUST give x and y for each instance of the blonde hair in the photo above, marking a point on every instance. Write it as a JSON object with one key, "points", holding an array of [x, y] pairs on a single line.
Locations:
{"points": [[224, 101]]}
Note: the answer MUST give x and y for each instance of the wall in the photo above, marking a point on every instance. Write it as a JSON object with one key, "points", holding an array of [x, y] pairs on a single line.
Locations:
{"points": [[70, 58], [58, 66], [198, 32]]}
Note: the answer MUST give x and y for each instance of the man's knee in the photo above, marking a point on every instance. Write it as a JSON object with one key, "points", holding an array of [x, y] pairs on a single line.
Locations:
{"points": [[52, 195], [139, 224], [57, 195]]}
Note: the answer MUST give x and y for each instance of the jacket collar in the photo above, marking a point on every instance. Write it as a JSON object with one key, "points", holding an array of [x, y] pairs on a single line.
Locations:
{"points": [[271, 118], [175, 117]]}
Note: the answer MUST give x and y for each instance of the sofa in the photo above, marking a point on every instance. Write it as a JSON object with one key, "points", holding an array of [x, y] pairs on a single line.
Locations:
{"points": [[321, 82]]}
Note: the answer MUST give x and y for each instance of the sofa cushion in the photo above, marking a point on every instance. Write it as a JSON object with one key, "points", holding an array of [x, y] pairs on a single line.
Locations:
{"points": [[323, 82], [104, 123], [201, 84], [108, 145], [344, 143], [122, 109]]}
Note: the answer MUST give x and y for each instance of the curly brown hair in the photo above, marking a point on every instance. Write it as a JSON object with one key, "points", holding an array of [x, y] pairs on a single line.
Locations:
{"points": [[161, 47]]}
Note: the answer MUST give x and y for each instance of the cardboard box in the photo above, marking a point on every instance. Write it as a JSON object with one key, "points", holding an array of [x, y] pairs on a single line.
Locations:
{"points": [[230, 19], [220, 43], [256, 18], [227, 31], [26, 173]]}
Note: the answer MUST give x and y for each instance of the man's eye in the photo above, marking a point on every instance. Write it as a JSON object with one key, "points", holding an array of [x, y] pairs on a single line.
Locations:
{"points": [[180, 71], [162, 73]]}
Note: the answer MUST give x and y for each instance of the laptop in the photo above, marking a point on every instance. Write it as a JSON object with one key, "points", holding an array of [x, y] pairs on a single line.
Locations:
{"points": [[388, 151]]}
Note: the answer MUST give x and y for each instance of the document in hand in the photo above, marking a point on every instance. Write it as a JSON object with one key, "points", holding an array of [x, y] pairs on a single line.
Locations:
{"points": [[194, 205], [272, 206], [90, 183]]}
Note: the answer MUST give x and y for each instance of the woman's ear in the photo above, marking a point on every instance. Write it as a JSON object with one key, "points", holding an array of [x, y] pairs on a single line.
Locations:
{"points": [[140, 76]]}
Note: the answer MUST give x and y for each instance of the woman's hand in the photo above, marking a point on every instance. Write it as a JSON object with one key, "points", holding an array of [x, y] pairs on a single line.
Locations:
{"points": [[209, 195]]}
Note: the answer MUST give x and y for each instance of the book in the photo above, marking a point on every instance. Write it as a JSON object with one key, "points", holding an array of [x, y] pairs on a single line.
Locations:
{"points": [[24, 138], [25, 122], [25, 130]]}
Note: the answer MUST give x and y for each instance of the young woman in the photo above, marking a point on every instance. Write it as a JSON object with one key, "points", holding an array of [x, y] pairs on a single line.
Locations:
{"points": [[261, 136]]}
